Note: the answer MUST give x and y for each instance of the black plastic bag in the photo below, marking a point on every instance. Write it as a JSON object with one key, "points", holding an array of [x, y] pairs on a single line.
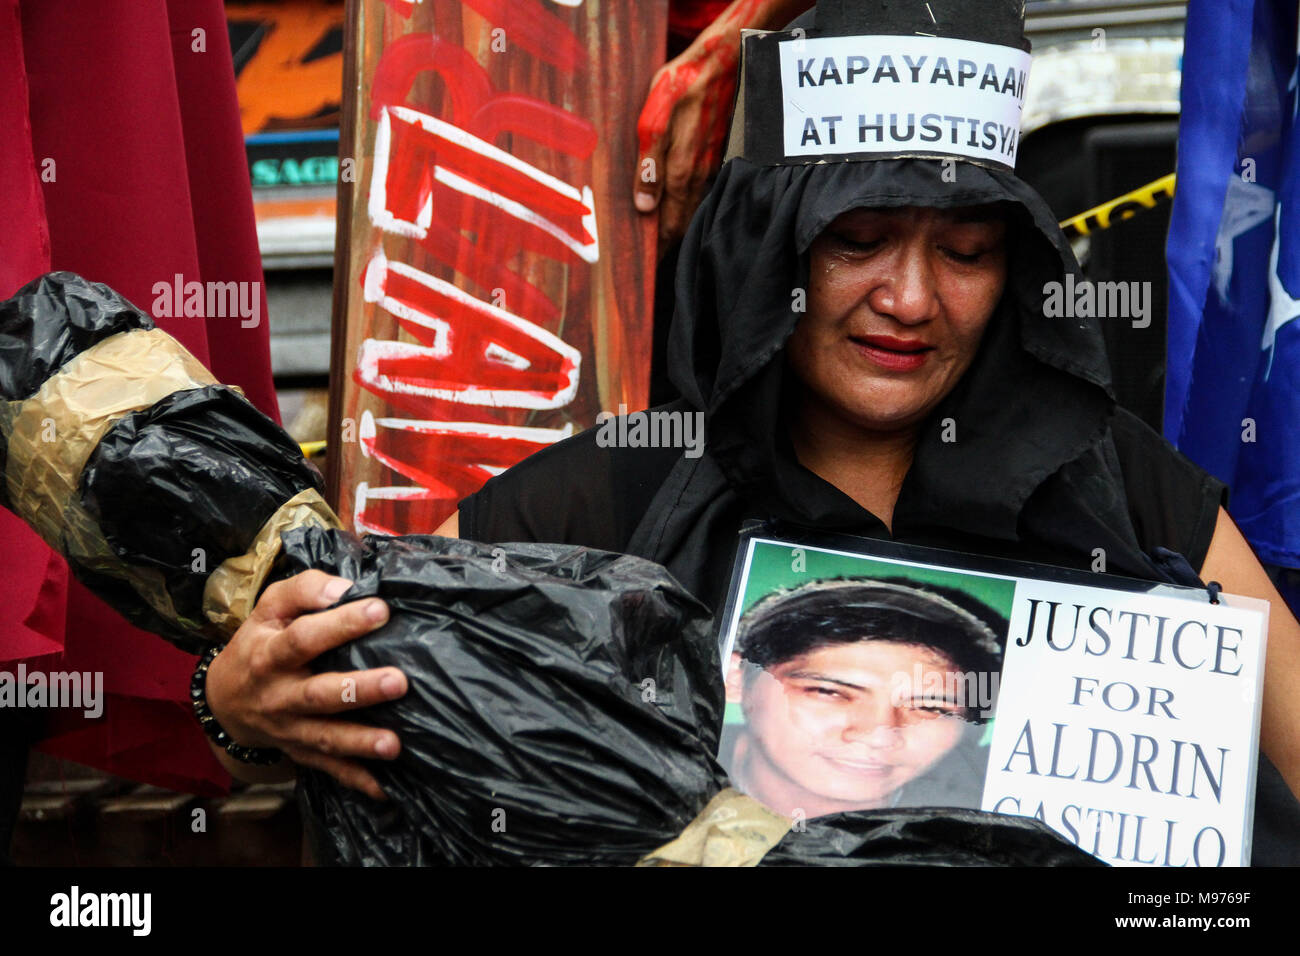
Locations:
{"points": [[50, 321], [564, 708], [187, 483], [926, 837], [561, 707]]}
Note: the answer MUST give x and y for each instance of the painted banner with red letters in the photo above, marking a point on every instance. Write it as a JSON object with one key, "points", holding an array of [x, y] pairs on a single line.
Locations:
{"points": [[493, 282]]}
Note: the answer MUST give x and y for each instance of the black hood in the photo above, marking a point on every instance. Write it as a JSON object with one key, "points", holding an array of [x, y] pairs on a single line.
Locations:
{"points": [[1037, 394]]}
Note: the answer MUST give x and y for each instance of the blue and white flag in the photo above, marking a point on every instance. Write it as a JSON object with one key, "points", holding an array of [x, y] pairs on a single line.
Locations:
{"points": [[1232, 393]]}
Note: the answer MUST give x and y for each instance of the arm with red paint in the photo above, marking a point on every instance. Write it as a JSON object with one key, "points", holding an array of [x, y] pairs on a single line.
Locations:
{"points": [[684, 121]]}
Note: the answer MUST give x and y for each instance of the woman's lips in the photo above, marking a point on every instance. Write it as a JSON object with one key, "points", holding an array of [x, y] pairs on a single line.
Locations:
{"points": [[898, 355]]}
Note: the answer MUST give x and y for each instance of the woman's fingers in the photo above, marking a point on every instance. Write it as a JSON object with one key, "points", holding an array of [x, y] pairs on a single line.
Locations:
{"points": [[347, 772], [260, 690], [337, 692], [309, 591], [311, 635], [336, 738]]}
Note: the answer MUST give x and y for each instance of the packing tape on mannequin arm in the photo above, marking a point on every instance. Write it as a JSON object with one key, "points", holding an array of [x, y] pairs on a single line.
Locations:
{"points": [[52, 434], [232, 589], [732, 830]]}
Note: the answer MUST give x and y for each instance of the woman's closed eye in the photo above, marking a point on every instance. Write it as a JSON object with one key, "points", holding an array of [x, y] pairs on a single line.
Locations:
{"points": [[963, 254], [857, 244], [967, 258]]}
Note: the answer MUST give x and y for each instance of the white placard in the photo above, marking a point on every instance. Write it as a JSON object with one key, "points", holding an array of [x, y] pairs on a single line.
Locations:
{"points": [[891, 94], [1129, 732]]}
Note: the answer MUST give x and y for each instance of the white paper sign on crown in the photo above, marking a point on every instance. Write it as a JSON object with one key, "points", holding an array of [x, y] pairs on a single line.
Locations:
{"points": [[902, 94]]}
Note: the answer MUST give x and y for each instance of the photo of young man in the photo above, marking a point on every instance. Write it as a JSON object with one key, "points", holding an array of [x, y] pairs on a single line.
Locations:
{"points": [[862, 694]]}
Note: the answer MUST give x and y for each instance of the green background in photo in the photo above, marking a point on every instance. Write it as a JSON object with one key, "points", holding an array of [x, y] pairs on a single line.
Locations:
{"points": [[773, 567]]}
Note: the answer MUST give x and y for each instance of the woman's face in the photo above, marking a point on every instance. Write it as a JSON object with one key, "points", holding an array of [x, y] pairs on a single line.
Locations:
{"points": [[844, 726], [898, 301]]}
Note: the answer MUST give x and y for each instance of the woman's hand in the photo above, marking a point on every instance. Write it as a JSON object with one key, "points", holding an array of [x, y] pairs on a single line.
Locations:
{"points": [[683, 123], [263, 694]]}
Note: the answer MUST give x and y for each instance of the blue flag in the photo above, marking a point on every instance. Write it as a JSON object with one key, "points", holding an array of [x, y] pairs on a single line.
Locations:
{"points": [[1232, 395]]}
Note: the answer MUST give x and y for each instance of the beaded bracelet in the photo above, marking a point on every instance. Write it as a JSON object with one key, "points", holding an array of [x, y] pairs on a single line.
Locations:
{"points": [[214, 730]]}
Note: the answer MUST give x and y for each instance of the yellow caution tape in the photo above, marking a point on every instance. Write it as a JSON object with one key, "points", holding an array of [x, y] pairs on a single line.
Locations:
{"points": [[1124, 207]]}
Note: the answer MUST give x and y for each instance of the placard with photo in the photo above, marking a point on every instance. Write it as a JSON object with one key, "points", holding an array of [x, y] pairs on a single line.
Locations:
{"points": [[1124, 714]]}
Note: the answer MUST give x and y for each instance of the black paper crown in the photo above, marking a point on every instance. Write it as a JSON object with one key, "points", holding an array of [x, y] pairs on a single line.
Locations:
{"points": [[986, 21], [878, 79]]}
